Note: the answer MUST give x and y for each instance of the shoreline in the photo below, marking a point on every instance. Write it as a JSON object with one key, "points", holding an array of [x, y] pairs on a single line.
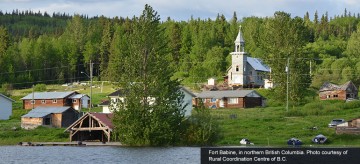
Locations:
{"points": [[73, 143]]}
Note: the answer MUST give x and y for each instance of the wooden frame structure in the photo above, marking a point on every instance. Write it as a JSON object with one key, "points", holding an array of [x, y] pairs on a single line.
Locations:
{"points": [[91, 127]]}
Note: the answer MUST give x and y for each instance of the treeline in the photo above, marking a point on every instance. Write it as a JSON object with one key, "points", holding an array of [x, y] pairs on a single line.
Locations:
{"points": [[39, 48], [31, 24]]}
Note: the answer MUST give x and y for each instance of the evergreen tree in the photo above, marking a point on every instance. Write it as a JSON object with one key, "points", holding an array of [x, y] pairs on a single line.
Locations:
{"points": [[284, 38], [151, 113]]}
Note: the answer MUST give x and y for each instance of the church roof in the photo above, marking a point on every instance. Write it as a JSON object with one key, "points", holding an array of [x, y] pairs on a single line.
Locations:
{"points": [[239, 37], [257, 64]]}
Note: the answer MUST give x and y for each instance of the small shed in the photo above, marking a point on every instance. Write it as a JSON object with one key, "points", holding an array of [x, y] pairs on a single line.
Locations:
{"points": [[80, 101], [349, 127], [105, 106], [59, 117], [5, 107], [92, 127]]}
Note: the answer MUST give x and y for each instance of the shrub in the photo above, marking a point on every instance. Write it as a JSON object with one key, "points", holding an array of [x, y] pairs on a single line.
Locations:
{"points": [[201, 128], [40, 87]]}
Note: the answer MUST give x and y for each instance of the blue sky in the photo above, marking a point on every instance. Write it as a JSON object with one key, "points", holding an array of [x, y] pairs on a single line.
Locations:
{"points": [[184, 9]]}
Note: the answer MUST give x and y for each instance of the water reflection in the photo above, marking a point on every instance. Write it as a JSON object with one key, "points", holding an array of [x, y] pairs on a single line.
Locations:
{"points": [[94, 154]]}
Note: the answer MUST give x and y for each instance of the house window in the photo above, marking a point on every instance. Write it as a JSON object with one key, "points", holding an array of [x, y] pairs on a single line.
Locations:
{"points": [[32, 101], [327, 96], [43, 101], [213, 100], [335, 95], [54, 100], [232, 100], [237, 68], [74, 101]]}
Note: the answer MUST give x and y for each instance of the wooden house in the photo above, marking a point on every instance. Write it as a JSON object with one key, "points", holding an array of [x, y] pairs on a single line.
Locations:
{"points": [[329, 91], [58, 117], [92, 127], [55, 99], [5, 107], [230, 99], [349, 127]]}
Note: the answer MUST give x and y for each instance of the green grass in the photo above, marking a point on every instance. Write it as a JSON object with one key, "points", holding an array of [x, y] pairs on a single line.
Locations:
{"points": [[270, 126]]}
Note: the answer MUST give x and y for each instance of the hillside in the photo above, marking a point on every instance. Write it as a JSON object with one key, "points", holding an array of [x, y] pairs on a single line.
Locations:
{"points": [[269, 126]]}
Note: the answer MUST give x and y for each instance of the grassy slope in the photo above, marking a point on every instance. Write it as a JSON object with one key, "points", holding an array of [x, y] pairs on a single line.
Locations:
{"points": [[270, 127], [263, 126]]}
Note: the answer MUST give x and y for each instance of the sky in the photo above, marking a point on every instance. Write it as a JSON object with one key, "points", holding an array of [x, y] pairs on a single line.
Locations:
{"points": [[184, 9]]}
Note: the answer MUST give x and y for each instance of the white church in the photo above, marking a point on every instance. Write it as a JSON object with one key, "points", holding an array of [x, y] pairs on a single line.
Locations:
{"points": [[246, 72]]}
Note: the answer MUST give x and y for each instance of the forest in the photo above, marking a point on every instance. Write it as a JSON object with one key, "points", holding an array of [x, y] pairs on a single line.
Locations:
{"points": [[39, 48]]}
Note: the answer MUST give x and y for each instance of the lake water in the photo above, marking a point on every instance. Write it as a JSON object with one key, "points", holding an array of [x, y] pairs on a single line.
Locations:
{"points": [[98, 155]]}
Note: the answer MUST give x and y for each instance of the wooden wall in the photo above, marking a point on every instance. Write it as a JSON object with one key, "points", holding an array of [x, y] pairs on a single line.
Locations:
{"points": [[56, 120], [243, 102], [31, 123], [251, 102], [69, 117], [48, 102], [333, 95]]}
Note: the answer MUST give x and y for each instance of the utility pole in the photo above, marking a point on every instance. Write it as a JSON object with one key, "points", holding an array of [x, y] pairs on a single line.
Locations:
{"points": [[91, 83], [287, 85], [33, 101]]}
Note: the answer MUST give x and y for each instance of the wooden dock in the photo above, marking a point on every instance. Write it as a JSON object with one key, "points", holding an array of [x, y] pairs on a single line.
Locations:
{"points": [[74, 143]]}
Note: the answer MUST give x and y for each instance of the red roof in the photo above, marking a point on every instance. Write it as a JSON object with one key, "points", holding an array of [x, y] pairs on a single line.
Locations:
{"points": [[105, 118]]}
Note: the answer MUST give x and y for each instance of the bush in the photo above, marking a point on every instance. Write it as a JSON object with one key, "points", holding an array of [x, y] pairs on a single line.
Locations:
{"points": [[40, 87], [200, 128], [6, 89]]}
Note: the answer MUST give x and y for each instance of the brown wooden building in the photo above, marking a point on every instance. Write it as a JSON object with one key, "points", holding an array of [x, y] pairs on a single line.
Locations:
{"points": [[55, 99], [59, 117], [230, 99], [329, 91], [349, 127], [92, 127]]}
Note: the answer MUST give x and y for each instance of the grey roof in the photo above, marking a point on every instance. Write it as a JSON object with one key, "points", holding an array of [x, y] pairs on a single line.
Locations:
{"points": [[257, 64], [44, 111], [188, 91], [228, 93], [117, 93], [47, 95], [7, 98], [239, 37], [105, 103], [327, 86], [78, 96]]}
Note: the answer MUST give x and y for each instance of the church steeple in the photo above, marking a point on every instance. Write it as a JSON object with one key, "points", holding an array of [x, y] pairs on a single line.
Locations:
{"points": [[239, 42]]}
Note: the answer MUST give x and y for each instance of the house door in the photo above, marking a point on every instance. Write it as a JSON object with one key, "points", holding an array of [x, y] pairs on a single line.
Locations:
{"points": [[221, 104]]}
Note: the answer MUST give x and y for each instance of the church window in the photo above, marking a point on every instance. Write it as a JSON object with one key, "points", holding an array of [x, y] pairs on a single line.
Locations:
{"points": [[237, 68]]}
